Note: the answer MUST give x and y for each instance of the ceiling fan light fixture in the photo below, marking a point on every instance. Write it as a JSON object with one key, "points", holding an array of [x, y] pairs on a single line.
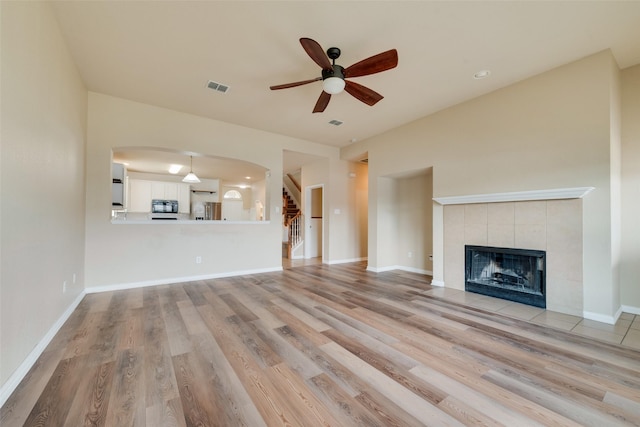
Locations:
{"points": [[191, 177], [333, 85]]}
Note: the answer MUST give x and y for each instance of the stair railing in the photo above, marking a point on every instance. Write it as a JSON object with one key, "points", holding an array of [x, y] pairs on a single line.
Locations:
{"points": [[295, 232]]}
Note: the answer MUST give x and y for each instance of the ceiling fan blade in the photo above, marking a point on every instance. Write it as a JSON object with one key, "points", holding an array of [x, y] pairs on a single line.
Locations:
{"points": [[315, 51], [362, 93], [322, 103], [294, 84], [374, 64]]}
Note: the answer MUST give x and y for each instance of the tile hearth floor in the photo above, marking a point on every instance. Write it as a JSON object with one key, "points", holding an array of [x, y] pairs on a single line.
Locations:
{"points": [[626, 331]]}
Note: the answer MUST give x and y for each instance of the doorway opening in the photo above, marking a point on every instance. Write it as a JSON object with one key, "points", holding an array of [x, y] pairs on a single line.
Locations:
{"points": [[314, 223]]}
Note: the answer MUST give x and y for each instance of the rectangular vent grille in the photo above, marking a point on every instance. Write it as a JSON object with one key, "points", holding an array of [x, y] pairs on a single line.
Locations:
{"points": [[217, 86], [335, 122]]}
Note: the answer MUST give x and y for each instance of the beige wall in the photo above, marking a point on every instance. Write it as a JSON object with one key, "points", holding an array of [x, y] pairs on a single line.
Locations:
{"points": [[404, 218], [43, 117], [414, 194], [551, 131], [345, 204], [125, 255], [630, 256], [344, 210]]}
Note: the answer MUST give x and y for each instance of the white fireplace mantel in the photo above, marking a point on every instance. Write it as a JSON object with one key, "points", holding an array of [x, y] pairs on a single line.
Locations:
{"points": [[517, 196]]}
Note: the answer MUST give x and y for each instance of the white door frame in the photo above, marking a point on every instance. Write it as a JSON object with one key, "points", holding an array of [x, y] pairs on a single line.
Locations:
{"points": [[307, 220]]}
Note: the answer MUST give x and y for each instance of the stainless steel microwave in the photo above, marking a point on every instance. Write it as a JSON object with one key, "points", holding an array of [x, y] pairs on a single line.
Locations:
{"points": [[164, 206]]}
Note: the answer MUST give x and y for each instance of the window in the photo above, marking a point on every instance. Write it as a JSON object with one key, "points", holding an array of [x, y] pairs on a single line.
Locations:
{"points": [[233, 195]]}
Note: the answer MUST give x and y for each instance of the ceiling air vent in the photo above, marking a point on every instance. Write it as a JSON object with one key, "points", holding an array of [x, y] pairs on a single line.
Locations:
{"points": [[335, 122], [217, 86]]}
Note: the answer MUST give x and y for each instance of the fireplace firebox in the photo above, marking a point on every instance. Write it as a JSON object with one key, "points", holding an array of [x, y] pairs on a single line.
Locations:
{"points": [[512, 274]]}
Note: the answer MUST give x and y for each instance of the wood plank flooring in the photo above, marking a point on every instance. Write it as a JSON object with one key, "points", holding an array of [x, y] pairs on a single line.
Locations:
{"points": [[317, 345]]}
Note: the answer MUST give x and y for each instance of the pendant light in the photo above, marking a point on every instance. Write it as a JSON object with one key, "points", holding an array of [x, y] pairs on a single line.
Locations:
{"points": [[191, 177]]}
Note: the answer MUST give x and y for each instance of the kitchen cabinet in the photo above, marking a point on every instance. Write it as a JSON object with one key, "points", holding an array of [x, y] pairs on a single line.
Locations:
{"points": [[184, 198], [143, 191], [139, 195], [165, 190], [118, 174]]}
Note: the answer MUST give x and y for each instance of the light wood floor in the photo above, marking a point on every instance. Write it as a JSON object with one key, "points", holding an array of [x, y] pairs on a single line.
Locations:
{"points": [[318, 345]]}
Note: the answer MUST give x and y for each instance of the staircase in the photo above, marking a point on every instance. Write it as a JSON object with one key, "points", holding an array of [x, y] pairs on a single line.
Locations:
{"points": [[292, 221], [289, 208]]}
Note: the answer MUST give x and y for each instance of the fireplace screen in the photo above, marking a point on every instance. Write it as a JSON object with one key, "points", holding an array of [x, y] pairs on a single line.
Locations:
{"points": [[512, 274]]}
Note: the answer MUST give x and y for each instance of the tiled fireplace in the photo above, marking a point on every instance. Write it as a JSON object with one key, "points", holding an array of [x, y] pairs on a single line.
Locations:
{"points": [[552, 226]]}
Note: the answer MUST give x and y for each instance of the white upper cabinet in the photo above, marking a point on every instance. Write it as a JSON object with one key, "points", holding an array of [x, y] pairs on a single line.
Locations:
{"points": [[143, 191], [139, 195]]}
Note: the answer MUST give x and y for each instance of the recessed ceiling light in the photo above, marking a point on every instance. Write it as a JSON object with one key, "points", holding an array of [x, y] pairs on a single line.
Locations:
{"points": [[174, 169], [483, 74], [247, 177]]}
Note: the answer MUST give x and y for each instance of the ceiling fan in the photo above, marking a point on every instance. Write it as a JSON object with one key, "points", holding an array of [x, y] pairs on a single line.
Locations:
{"points": [[334, 76]]}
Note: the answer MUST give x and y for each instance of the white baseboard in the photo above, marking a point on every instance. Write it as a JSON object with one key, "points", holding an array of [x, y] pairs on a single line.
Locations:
{"points": [[399, 267], [598, 317], [380, 270], [415, 270], [133, 285], [345, 261], [438, 283], [629, 309], [18, 375]]}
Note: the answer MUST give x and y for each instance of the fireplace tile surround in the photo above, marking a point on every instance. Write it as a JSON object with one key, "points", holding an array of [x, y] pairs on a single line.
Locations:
{"points": [[554, 226]]}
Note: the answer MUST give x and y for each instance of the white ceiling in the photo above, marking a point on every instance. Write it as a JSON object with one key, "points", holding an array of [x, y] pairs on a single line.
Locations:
{"points": [[164, 52]]}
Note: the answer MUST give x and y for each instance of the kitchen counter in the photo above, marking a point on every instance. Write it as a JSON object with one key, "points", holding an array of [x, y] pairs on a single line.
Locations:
{"points": [[183, 219], [181, 222]]}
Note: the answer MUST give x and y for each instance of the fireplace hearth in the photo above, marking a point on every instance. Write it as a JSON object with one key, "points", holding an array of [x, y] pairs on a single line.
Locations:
{"points": [[512, 274]]}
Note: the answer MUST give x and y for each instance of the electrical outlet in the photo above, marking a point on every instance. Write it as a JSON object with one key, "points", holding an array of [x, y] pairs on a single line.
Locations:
{"points": [[410, 254], [74, 278], [64, 286], [198, 260]]}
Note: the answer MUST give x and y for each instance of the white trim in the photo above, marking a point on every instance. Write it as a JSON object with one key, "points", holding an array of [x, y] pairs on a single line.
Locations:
{"points": [[18, 375], [399, 267], [517, 196], [598, 317], [380, 270], [344, 261], [415, 270], [629, 309], [168, 281], [438, 283]]}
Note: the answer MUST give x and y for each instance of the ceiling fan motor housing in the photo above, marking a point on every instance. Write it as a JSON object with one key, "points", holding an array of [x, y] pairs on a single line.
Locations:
{"points": [[337, 71]]}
